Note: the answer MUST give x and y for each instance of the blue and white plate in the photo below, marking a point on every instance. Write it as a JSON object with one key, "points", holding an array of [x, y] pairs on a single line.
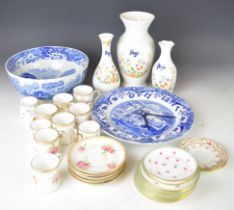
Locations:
{"points": [[143, 115]]}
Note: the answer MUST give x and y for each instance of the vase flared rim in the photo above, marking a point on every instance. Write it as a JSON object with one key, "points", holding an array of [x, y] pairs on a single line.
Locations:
{"points": [[106, 35], [168, 43], [137, 16]]}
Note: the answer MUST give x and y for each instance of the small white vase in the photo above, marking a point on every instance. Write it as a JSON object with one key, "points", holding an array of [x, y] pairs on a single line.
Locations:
{"points": [[106, 76], [164, 71], [135, 48]]}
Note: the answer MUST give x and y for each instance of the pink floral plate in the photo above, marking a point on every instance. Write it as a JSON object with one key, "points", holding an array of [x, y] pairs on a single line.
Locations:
{"points": [[97, 155], [209, 154], [170, 164]]}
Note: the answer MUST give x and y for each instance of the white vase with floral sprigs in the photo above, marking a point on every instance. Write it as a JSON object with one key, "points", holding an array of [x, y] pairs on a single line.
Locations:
{"points": [[164, 71], [135, 48], [106, 76]]}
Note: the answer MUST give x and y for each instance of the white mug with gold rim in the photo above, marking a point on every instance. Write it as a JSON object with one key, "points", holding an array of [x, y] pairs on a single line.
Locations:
{"points": [[85, 94], [89, 128], [82, 111], [45, 111], [45, 172], [63, 100], [64, 123], [38, 124], [46, 140], [27, 106]]}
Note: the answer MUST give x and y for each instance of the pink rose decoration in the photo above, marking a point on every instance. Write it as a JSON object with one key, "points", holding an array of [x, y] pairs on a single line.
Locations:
{"points": [[83, 165], [108, 148], [54, 150], [111, 165]]}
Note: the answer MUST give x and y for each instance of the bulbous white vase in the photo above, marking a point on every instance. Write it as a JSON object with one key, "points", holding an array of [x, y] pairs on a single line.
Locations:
{"points": [[135, 48], [106, 76], [164, 71]]}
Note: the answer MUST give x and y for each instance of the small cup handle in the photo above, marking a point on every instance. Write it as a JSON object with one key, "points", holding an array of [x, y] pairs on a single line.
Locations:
{"points": [[96, 95], [60, 156], [79, 136]]}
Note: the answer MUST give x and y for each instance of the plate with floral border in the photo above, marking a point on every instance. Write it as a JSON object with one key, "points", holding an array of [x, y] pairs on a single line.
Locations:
{"points": [[142, 115], [209, 154], [97, 155]]}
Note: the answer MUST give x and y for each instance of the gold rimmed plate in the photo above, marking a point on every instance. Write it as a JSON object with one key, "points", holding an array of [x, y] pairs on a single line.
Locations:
{"points": [[170, 165], [94, 181], [81, 174], [153, 184], [209, 154], [98, 155]]}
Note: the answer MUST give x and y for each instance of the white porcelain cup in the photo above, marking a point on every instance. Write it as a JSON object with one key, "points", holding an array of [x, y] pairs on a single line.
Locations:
{"points": [[46, 140], [45, 172], [63, 100], [89, 128], [85, 94], [45, 111], [82, 111], [27, 107], [39, 124], [64, 123]]}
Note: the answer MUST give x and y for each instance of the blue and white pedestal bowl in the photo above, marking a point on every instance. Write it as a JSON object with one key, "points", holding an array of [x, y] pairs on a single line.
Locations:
{"points": [[45, 71]]}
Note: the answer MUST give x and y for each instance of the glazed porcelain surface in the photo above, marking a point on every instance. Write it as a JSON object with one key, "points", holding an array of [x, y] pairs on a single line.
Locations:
{"points": [[45, 172], [27, 108], [172, 187], [63, 101], [135, 48], [45, 111], [143, 115], [46, 140], [106, 76], [45, 71], [170, 163], [97, 155], [89, 128], [85, 94], [164, 71], [209, 154], [64, 123], [81, 111], [39, 124]]}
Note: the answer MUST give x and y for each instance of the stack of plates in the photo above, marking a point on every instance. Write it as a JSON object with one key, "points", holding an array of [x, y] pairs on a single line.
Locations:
{"points": [[167, 174], [96, 160]]}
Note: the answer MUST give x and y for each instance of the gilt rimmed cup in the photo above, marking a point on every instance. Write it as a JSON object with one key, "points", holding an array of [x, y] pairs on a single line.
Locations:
{"points": [[46, 140], [45, 172], [89, 128], [82, 112], [45, 111], [64, 123], [39, 124], [27, 107], [85, 94], [63, 100]]}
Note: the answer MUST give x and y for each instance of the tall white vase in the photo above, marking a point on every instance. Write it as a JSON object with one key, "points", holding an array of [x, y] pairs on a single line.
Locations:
{"points": [[164, 71], [135, 48], [106, 76]]}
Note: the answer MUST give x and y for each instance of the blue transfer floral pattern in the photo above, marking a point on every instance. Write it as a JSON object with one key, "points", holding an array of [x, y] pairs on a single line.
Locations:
{"points": [[131, 115], [45, 83]]}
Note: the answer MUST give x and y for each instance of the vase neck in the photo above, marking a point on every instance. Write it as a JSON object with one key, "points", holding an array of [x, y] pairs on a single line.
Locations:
{"points": [[136, 22], [166, 47], [106, 39]]}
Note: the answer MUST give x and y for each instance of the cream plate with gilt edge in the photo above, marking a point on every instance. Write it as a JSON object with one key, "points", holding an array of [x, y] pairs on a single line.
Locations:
{"points": [[97, 155], [209, 154], [170, 164]]}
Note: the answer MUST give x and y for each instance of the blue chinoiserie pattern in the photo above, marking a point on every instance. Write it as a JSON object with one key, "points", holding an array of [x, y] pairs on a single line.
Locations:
{"points": [[44, 82], [143, 115]]}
